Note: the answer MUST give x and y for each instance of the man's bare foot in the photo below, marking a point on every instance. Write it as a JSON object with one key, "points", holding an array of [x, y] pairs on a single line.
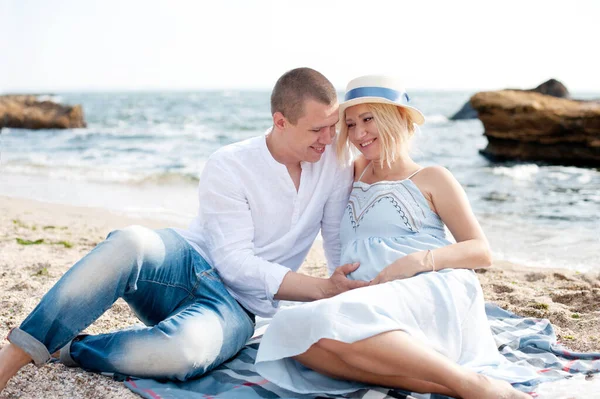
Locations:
{"points": [[12, 358]]}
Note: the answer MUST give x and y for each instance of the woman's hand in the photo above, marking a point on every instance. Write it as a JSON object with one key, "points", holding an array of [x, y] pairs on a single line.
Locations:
{"points": [[405, 267]]}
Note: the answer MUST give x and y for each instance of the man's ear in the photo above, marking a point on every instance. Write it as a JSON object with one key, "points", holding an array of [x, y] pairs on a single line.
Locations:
{"points": [[279, 121]]}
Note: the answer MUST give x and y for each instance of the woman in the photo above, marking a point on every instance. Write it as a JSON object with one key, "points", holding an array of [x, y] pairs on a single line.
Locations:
{"points": [[421, 324]]}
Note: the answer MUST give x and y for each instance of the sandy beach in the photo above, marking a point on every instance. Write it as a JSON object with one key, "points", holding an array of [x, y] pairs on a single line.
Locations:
{"points": [[40, 241]]}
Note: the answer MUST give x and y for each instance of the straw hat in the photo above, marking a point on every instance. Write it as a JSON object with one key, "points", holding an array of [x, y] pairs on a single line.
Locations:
{"points": [[379, 89]]}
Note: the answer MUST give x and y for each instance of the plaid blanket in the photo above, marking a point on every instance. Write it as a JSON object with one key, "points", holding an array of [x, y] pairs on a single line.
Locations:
{"points": [[520, 340]]}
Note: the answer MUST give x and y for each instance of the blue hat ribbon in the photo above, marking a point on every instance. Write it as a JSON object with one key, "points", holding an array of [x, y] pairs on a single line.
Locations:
{"points": [[374, 91]]}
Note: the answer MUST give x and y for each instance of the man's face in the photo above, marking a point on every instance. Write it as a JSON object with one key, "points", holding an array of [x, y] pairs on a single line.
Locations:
{"points": [[313, 131]]}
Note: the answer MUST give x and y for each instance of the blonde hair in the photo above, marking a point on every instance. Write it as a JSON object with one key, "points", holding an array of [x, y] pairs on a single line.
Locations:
{"points": [[395, 126]]}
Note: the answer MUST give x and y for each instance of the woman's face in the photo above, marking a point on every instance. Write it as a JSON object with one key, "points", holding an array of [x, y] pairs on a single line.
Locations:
{"points": [[362, 131]]}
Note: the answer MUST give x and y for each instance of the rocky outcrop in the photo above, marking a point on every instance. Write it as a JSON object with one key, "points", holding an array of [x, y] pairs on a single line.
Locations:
{"points": [[550, 87], [27, 112], [528, 126], [466, 112]]}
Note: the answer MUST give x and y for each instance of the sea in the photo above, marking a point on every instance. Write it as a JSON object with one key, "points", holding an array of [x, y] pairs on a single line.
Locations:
{"points": [[142, 153]]}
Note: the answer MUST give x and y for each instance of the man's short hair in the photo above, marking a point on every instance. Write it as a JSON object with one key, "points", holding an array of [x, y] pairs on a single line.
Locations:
{"points": [[297, 85]]}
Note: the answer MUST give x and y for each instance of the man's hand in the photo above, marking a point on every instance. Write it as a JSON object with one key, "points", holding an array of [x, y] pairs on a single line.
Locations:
{"points": [[339, 282], [302, 288]]}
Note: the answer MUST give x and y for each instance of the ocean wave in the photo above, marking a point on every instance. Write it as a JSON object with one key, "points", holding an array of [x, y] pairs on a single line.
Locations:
{"points": [[136, 133], [533, 244], [103, 175], [169, 178], [517, 172], [436, 119]]}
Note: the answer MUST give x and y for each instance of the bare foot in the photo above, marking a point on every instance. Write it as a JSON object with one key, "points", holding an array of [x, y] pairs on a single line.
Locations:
{"points": [[489, 388], [12, 358]]}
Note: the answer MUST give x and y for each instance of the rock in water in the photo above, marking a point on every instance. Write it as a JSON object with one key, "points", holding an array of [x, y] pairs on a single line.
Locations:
{"points": [[529, 126], [550, 87], [27, 112], [466, 112]]}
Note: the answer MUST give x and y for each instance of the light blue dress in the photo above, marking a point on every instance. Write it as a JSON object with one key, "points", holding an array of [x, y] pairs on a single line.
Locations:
{"points": [[443, 310]]}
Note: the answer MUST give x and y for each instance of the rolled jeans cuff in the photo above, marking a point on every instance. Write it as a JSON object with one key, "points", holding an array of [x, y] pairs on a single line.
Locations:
{"points": [[30, 345], [65, 356]]}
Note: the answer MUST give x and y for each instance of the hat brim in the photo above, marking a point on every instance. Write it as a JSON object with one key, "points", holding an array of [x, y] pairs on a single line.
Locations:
{"points": [[417, 116]]}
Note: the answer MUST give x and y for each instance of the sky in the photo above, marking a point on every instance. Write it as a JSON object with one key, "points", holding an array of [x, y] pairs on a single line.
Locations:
{"points": [[108, 45]]}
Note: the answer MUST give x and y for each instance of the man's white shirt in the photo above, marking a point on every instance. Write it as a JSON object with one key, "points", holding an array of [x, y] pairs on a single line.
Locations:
{"points": [[254, 227]]}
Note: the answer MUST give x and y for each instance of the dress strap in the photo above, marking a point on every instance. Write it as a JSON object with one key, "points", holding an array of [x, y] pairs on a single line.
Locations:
{"points": [[411, 176], [363, 172]]}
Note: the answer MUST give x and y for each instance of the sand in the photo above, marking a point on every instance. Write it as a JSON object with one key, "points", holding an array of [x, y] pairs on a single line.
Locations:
{"points": [[571, 300]]}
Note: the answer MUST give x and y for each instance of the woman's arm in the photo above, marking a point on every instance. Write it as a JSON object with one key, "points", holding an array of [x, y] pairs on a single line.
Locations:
{"points": [[450, 202], [448, 199]]}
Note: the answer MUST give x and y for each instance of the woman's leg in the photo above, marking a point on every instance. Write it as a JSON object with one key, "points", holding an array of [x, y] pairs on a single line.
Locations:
{"points": [[395, 354], [329, 364]]}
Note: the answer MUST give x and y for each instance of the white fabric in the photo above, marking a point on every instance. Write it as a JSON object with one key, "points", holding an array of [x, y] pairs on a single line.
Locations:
{"points": [[254, 227], [443, 310]]}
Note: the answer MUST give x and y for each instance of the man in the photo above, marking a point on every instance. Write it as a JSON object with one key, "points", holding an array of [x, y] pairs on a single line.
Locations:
{"points": [[262, 203]]}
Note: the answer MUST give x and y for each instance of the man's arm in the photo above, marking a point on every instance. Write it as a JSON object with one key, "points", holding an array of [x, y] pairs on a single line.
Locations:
{"points": [[299, 287], [229, 229]]}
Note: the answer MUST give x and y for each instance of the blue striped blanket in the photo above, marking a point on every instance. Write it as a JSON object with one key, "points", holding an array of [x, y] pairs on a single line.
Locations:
{"points": [[521, 340]]}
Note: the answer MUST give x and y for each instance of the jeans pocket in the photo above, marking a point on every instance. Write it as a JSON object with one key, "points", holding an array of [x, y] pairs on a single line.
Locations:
{"points": [[203, 269], [211, 274]]}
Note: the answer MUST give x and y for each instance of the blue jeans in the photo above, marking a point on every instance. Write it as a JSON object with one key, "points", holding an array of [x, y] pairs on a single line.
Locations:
{"points": [[192, 323]]}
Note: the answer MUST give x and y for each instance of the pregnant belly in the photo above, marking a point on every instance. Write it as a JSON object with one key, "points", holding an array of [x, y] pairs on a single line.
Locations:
{"points": [[374, 254]]}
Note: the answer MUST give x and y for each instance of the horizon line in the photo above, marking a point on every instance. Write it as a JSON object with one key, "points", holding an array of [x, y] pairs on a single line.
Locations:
{"points": [[29, 91]]}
